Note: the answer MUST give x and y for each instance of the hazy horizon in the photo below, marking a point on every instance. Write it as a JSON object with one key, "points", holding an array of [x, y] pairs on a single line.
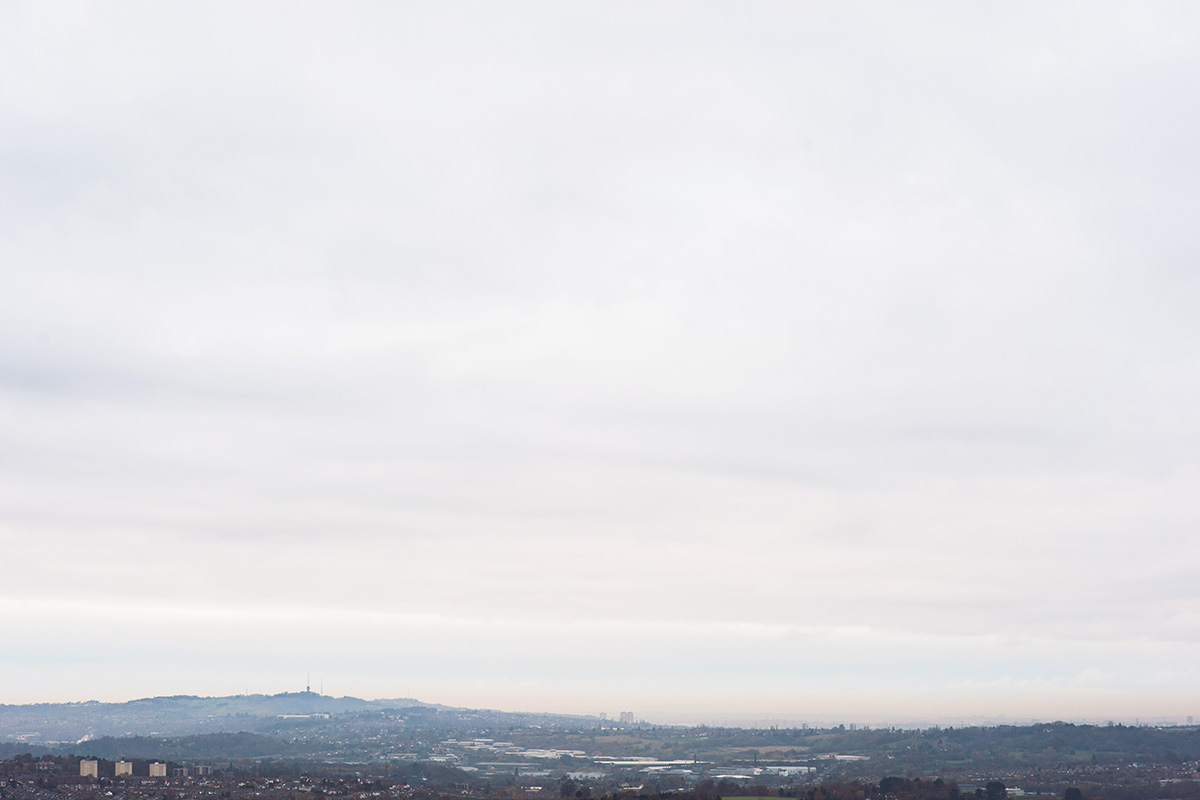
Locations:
{"points": [[795, 361], [743, 719]]}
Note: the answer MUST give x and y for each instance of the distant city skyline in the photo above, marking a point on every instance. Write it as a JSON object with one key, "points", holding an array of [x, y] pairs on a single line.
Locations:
{"points": [[830, 362]]}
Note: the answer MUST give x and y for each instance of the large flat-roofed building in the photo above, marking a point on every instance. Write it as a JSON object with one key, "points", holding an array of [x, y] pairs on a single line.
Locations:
{"points": [[158, 770], [89, 768], [123, 768]]}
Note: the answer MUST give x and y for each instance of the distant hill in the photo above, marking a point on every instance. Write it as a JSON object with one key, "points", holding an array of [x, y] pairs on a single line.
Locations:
{"points": [[178, 715]]}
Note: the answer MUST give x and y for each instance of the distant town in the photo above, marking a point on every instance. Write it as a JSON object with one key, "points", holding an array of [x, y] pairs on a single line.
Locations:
{"points": [[306, 746]]}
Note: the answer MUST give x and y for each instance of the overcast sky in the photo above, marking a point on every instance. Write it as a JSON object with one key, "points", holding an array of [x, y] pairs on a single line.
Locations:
{"points": [[793, 360]]}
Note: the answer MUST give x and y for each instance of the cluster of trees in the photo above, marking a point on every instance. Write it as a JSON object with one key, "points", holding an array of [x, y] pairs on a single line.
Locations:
{"points": [[222, 746], [19, 750], [1139, 790], [890, 788]]}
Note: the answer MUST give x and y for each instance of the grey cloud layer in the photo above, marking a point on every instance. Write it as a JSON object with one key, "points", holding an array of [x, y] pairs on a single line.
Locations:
{"points": [[817, 319]]}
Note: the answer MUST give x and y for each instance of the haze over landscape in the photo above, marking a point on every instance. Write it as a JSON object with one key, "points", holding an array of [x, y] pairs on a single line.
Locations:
{"points": [[796, 362]]}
